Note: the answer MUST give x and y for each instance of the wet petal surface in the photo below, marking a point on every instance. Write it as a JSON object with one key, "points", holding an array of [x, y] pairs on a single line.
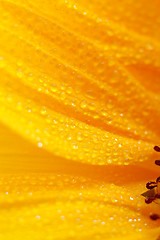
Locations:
{"points": [[79, 91]]}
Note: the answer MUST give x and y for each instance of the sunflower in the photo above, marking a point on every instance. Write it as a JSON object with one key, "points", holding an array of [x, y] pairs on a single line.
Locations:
{"points": [[79, 117]]}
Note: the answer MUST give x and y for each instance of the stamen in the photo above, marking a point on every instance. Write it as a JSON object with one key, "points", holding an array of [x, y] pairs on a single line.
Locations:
{"points": [[152, 195], [151, 185], [157, 162], [158, 180], [156, 148], [157, 195], [154, 216]]}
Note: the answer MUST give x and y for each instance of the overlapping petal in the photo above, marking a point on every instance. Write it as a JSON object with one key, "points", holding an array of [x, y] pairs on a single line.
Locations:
{"points": [[69, 90], [64, 200], [80, 80]]}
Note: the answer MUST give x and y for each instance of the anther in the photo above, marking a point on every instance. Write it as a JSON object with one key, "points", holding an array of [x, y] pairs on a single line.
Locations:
{"points": [[157, 162], [157, 195], [151, 185], [158, 180], [156, 148], [154, 216], [149, 200]]}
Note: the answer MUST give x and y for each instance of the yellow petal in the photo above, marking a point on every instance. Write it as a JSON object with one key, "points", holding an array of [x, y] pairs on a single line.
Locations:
{"points": [[35, 207], [43, 196], [79, 80], [87, 106]]}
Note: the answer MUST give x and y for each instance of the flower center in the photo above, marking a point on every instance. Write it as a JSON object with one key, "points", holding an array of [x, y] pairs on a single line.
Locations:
{"points": [[155, 187]]}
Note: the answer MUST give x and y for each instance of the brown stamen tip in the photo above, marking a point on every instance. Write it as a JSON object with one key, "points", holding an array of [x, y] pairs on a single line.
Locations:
{"points": [[149, 200], [151, 185], [156, 148], [157, 195], [157, 162], [154, 216], [158, 180]]}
